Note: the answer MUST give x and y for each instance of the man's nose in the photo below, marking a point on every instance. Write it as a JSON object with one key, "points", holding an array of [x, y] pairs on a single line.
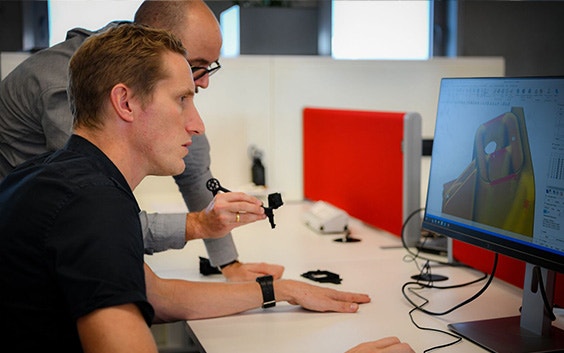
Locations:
{"points": [[203, 82], [195, 124]]}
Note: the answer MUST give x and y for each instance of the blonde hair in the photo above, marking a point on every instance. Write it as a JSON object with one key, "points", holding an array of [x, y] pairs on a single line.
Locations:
{"points": [[130, 54]]}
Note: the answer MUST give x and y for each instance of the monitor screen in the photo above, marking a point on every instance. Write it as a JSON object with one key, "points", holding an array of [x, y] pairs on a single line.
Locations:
{"points": [[497, 180], [497, 168]]}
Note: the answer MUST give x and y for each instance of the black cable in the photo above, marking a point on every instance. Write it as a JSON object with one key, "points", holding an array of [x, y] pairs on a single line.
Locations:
{"points": [[417, 254], [430, 284], [416, 307], [547, 304], [402, 232], [423, 285], [456, 337]]}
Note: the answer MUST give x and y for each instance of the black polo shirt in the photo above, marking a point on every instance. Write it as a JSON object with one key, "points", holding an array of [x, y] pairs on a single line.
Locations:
{"points": [[70, 243]]}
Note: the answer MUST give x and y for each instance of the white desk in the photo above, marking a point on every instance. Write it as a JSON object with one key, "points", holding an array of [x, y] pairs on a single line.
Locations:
{"points": [[375, 266]]}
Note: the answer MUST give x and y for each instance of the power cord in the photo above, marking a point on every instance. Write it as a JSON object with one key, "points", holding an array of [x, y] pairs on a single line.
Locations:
{"points": [[425, 272], [537, 275], [412, 256], [417, 255], [419, 307], [431, 285], [457, 338]]}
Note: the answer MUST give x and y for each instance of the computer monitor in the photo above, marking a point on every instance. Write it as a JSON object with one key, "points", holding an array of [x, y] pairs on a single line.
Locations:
{"points": [[497, 181]]}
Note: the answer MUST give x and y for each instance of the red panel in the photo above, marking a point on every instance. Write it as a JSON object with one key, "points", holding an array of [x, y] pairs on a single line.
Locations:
{"points": [[353, 159]]}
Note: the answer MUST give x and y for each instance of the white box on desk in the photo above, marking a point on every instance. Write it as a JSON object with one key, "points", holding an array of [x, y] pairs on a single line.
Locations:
{"points": [[326, 218]]}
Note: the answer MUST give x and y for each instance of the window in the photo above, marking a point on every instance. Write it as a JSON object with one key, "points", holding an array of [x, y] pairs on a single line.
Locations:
{"points": [[381, 29], [92, 15], [361, 29], [229, 21]]}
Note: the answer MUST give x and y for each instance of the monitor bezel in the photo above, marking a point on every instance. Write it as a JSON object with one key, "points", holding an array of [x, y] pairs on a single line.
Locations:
{"points": [[528, 252]]}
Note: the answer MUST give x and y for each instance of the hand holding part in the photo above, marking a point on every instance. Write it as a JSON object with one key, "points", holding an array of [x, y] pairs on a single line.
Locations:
{"points": [[274, 199]]}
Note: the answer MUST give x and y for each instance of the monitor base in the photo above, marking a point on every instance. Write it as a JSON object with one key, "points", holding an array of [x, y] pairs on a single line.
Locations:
{"points": [[428, 277], [505, 335]]}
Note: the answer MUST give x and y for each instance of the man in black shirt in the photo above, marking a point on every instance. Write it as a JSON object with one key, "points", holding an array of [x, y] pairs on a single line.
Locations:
{"points": [[71, 266], [71, 262]]}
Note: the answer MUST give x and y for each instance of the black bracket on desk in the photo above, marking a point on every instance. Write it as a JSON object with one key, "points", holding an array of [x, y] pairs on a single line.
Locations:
{"points": [[347, 238], [323, 276]]}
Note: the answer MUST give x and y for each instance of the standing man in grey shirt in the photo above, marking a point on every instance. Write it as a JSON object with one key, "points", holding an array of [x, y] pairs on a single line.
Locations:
{"points": [[35, 118]]}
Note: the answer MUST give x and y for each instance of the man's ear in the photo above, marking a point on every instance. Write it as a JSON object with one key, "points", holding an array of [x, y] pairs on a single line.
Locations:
{"points": [[121, 96]]}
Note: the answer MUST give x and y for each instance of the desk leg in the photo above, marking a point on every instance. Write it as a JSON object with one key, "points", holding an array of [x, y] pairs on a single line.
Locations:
{"points": [[194, 342], [174, 338]]}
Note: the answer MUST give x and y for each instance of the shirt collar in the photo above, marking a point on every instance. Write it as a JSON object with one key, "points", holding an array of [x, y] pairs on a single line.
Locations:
{"points": [[79, 144]]}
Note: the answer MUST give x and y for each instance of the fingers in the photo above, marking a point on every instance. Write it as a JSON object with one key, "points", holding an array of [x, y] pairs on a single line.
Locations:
{"points": [[225, 212], [330, 305], [319, 298], [350, 297], [398, 348], [262, 269], [241, 218], [386, 341], [345, 302], [345, 307], [232, 197], [239, 202], [229, 210], [275, 271], [383, 345], [250, 271]]}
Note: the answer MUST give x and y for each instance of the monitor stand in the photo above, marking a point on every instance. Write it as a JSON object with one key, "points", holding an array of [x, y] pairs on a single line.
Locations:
{"points": [[433, 244], [530, 332]]}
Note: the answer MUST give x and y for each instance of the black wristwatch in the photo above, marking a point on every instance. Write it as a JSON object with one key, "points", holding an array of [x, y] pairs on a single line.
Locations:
{"points": [[267, 289]]}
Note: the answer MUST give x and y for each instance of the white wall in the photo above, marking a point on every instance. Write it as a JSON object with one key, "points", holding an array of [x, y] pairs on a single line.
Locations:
{"points": [[9, 60], [259, 99]]}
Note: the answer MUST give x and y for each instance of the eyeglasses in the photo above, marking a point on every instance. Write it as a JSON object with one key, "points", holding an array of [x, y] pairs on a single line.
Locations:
{"points": [[199, 71]]}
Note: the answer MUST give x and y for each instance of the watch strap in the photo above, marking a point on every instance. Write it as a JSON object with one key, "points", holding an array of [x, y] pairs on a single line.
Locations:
{"points": [[267, 288]]}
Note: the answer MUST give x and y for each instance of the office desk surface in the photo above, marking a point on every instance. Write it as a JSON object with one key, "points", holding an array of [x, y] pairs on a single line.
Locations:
{"points": [[377, 265]]}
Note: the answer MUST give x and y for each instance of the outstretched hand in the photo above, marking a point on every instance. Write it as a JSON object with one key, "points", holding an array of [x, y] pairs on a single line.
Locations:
{"points": [[318, 298], [240, 272]]}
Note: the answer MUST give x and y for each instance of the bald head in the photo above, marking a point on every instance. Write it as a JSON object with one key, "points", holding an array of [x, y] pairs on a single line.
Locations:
{"points": [[192, 22]]}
